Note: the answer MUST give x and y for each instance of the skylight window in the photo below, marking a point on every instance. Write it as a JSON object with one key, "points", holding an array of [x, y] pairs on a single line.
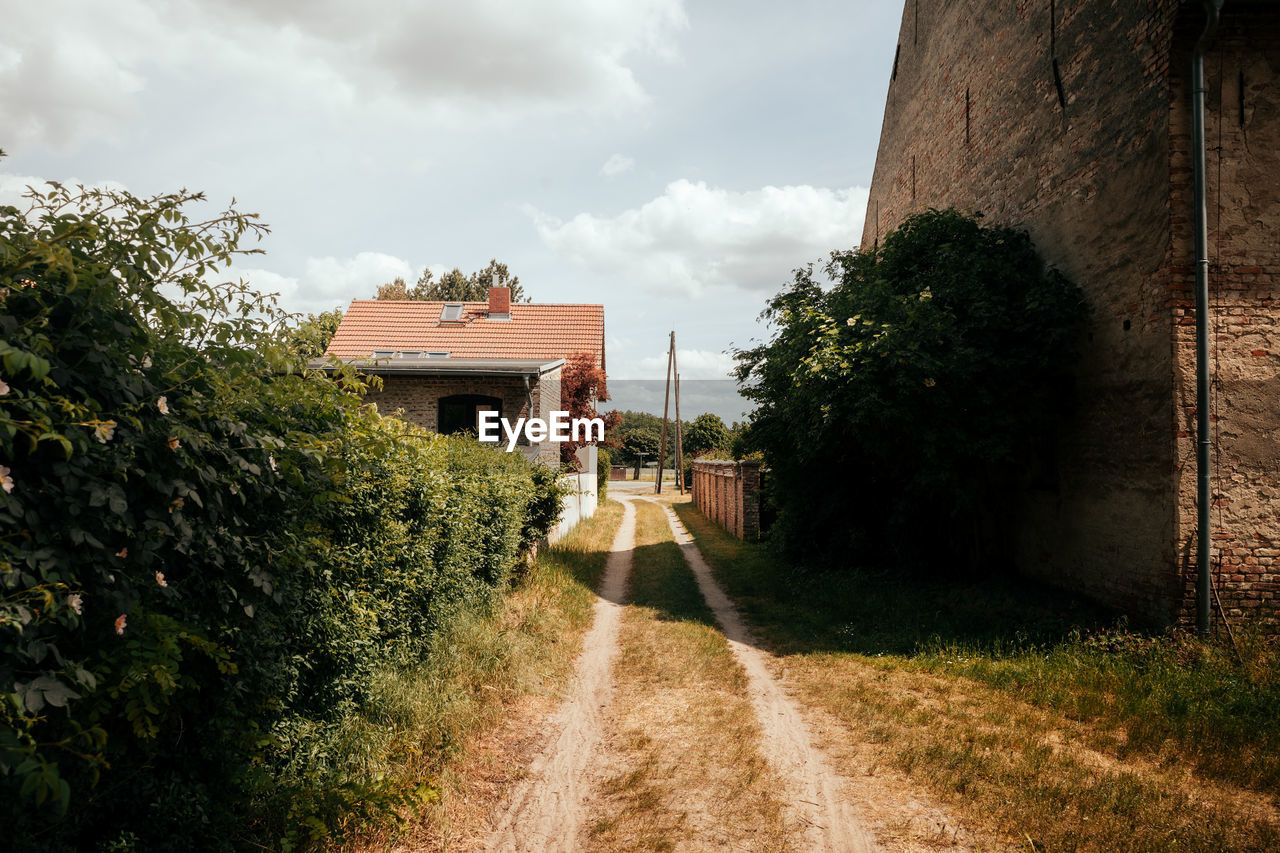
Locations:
{"points": [[452, 311], [384, 353]]}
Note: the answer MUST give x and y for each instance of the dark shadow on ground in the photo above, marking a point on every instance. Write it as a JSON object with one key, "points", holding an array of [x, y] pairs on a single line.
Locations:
{"points": [[874, 611]]}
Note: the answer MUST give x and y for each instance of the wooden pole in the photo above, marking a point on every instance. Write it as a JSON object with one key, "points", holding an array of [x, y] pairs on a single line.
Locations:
{"points": [[679, 442], [666, 401]]}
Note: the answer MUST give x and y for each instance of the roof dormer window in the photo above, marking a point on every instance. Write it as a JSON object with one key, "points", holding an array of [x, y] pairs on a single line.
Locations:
{"points": [[451, 312]]}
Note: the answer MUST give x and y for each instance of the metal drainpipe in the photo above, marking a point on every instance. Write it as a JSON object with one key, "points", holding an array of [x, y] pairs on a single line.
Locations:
{"points": [[1204, 544]]}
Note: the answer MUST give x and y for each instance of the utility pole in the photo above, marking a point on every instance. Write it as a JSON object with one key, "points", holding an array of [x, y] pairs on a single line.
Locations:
{"points": [[679, 442], [666, 400]]}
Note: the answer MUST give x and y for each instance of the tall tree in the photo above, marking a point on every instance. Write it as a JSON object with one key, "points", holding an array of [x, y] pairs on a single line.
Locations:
{"points": [[707, 432], [397, 289], [310, 338], [456, 286]]}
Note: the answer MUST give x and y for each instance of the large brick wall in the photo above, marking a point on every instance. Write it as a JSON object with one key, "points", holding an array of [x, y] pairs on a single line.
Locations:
{"points": [[417, 399], [1243, 137], [1092, 159]]}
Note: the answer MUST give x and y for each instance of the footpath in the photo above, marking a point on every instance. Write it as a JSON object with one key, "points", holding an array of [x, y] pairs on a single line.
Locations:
{"points": [[647, 749]]}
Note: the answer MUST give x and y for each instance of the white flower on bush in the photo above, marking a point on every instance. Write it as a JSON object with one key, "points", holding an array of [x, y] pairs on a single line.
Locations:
{"points": [[160, 581], [104, 431], [163, 405], [6, 482], [4, 388], [75, 602]]}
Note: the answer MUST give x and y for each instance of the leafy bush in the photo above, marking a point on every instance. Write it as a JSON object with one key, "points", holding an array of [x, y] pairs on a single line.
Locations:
{"points": [[917, 393], [204, 556]]}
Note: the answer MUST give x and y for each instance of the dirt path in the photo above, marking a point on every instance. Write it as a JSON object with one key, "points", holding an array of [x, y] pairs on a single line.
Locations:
{"points": [[544, 812], [814, 788], [548, 809]]}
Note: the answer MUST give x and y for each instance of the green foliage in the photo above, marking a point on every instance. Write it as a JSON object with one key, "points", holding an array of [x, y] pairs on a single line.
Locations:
{"points": [[456, 286], [638, 437], [602, 473], [204, 556], [707, 432], [918, 392], [310, 338]]}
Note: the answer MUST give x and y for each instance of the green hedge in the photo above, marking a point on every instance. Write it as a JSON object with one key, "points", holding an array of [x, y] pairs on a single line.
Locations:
{"points": [[603, 464], [205, 556]]}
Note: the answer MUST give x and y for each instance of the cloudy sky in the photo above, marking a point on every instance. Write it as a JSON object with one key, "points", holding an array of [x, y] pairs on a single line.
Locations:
{"points": [[673, 160]]}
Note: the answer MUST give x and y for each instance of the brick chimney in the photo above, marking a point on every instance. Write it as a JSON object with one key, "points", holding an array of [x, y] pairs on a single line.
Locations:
{"points": [[499, 303]]}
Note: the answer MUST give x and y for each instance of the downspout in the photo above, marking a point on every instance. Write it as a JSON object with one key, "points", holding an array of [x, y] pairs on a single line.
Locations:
{"points": [[1204, 544]]}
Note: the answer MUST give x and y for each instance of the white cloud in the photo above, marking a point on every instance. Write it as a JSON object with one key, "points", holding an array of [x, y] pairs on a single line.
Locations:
{"points": [[616, 165], [14, 187], [71, 70], [691, 363], [329, 282], [693, 236]]}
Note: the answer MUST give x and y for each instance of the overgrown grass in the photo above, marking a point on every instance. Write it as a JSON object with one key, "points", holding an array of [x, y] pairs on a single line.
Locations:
{"points": [[1032, 709], [411, 733]]}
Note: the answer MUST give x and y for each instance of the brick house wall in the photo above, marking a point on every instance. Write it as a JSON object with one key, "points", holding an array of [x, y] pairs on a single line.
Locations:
{"points": [[1093, 161], [417, 399]]}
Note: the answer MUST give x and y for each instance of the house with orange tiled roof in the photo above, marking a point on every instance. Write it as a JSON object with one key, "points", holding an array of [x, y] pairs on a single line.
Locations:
{"points": [[442, 363]]}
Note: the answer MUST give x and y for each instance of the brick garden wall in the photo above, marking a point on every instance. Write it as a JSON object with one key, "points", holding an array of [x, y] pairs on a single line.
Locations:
{"points": [[1093, 161], [729, 494]]}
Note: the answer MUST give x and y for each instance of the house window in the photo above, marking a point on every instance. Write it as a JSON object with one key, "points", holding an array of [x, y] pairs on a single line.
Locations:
{"points": [[451, 312], [440, 354], [383, 353], [461, 412]]}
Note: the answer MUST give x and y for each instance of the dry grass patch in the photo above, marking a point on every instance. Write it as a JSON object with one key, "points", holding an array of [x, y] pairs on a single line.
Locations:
{"points": [[469, 721], [1049, 744], [1024, 772], [685, 770]]}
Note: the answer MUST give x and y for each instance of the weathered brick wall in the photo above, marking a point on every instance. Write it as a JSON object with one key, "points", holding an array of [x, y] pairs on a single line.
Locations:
{"points": [[1243, 137], [729, 494], [418, 398], [1092, 161]]}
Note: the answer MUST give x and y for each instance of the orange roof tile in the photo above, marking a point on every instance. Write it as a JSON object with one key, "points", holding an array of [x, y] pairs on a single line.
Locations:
{"points": [[533, 332]]}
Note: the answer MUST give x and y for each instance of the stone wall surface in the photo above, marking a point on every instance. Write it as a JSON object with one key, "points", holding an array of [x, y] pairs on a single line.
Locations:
{"points": [[1071, 120]]}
